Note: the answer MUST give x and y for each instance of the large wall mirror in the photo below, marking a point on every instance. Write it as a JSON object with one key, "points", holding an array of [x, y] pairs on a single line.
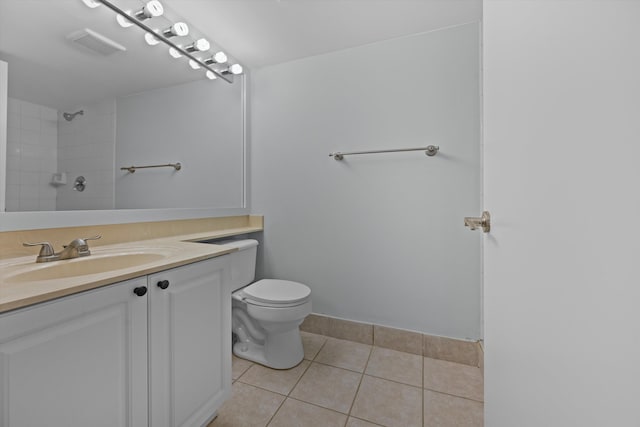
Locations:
{"points": [[88, 97]]}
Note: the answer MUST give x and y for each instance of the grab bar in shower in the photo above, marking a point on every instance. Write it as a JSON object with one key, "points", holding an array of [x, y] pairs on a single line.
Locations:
{"points": [[132, 169], [430, 151]]}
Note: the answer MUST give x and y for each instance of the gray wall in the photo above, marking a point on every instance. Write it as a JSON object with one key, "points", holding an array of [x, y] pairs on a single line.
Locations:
{"points": [[378, 238], [198, 124]]}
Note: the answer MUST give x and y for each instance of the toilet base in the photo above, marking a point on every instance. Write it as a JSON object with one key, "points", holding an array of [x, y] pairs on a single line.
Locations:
{"points": [[280, 351]]}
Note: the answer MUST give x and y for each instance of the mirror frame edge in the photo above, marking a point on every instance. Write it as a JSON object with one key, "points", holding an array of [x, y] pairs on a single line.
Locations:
{"points": [[4, 95]]}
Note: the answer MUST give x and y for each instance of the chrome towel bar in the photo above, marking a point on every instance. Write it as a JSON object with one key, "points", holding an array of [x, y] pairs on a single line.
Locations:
{"points": [[430, 151], [132, 169]]}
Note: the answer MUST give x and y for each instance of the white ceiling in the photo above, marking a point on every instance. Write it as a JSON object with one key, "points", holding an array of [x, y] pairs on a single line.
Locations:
{"points": [[45, 68], [267, 32]]}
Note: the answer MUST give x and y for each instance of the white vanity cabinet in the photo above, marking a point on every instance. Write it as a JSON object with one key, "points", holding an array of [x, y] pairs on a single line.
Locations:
{"points": [[189, 343], [131, 354], [76, 361]]}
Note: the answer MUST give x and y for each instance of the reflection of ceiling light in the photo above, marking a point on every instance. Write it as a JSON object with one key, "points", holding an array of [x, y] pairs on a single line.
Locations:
{"points": [[179, 29], [151, 39], [124, 22], [233, 69], [218, 58], [91, 3], [152, 9], [199, 45]]}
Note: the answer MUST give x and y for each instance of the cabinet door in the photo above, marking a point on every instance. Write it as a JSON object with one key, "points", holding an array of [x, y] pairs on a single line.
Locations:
{"points": [[189, 343], [76, 361]]}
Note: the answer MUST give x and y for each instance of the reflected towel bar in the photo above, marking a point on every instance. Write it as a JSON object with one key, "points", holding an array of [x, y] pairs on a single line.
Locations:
{"points": [[132, 169], [430, 151]]}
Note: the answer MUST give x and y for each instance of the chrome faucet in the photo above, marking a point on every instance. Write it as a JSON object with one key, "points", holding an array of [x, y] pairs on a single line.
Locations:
{"points": [[77, 248]]}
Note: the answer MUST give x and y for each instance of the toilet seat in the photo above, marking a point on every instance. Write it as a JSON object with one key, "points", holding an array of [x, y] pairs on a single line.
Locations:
{"points": [[276, 293]]}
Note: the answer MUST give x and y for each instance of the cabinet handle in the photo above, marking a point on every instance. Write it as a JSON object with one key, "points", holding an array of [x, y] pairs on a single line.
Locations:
{"points": [[140, 291], [163, 284]]}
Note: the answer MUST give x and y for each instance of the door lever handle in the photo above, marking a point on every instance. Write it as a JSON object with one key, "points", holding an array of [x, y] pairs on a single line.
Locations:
{"points": [[483, 222]]}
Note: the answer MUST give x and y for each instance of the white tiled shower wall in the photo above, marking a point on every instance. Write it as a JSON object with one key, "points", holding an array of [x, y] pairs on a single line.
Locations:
{"points": [[40, 142], [86, 147], [32, 144]]}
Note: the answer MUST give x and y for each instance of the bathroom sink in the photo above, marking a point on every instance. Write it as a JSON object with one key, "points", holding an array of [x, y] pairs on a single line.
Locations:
{"points": [[93, 264]]}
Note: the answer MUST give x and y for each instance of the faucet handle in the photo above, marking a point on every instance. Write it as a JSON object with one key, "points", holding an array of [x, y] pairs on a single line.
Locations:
{"points": [[45, 251], [82, 245]]}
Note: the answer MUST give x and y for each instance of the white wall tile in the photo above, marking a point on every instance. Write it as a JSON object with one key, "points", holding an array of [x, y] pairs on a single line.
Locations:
{"points": [[28, 203], [31, 154], [30, 137], [30, 123], [13, 177]]}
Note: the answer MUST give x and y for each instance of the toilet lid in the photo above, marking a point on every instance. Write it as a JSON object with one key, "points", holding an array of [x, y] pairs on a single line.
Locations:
{"points": [[273, 291]]}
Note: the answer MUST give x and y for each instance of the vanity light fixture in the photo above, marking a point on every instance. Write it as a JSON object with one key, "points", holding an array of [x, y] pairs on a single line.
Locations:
{"points": [[218, 58], [200, 45], [151, 39], [123, 22], [233, 69], [179, 29], [152, 9], [153, 36], [91, 3]]}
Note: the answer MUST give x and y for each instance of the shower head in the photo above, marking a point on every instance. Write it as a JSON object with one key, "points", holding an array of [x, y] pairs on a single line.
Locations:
{"points": [[69, 116]]}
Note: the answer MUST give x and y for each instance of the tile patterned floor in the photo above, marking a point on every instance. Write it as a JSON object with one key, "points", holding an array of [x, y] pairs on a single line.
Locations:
{"points": [[347, 384]]}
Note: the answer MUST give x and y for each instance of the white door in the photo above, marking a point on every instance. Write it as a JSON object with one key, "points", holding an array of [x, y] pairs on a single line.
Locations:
{"points": [[77, 361], [190, 342], [562, 183]]}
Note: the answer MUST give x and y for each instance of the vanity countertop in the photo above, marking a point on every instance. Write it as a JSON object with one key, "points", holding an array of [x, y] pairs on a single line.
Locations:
{"points": [[24, 282]]}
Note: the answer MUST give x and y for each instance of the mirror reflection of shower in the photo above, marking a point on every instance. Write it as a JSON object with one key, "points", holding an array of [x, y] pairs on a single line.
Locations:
{"points": [[69, 116]]}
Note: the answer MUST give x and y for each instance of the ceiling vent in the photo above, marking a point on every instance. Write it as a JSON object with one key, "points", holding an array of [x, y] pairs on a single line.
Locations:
{"points": [[95, 42]]}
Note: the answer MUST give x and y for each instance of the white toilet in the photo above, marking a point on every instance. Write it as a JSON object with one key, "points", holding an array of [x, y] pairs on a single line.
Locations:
{"points": [[265, 314]]}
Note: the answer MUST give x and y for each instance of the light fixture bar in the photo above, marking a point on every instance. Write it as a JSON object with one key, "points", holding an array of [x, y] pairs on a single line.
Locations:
{"points": [[165, 40]]}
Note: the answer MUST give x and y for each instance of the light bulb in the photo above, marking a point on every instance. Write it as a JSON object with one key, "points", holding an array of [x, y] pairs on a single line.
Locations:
{"points": [[151, 39], [179, 29], [199, 45], [193, 64], [174, 53], [218, 58], [235, 69], [124, 22], [152, 9], [211, 75], [91, 3]]}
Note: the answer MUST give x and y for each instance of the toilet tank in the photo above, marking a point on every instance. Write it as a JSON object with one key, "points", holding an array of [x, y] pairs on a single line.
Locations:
{"points": [[243, 262]]}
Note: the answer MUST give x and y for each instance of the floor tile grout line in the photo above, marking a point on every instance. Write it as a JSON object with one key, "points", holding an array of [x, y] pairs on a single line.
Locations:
{"points": [[287, 396], [453, 395], [367, 421], [422, 378], [317, 406], [338, 367], [289, 393], [355, 396]]}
